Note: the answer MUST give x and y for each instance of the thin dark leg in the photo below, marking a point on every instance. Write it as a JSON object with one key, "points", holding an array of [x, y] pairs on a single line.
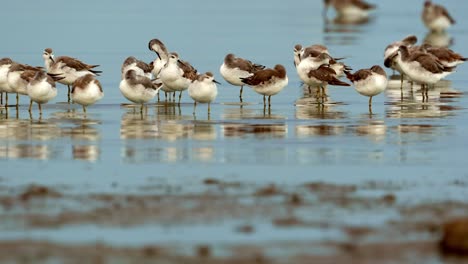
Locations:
{"points": [[269, 101], [240, 95], [17, 100], [84, 109], [194, 107], [30, 105], [40, 109], [69, 92], [180, 96]]}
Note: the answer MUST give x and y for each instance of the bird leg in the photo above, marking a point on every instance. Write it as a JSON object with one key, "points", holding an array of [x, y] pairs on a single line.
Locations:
{"points": [[401, 78], [269, 101], [240, 95], [180, 96], [264, 104], [30, 105], [194, 107], [84, 109], [69, 91], [40, 109], [17, 100], [310, 89], [6, 100], [209, 108], [1, 98]]}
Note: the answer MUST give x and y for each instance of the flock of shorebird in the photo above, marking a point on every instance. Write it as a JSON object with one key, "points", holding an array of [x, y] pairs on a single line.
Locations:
{"points": [[141, 82]]}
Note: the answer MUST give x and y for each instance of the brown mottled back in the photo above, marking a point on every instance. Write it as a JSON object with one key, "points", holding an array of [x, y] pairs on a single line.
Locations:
{"points": [[84, 81], [265, 75]]}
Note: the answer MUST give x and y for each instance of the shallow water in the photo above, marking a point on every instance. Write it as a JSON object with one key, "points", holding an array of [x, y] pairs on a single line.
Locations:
{"points": [[418, 146]]}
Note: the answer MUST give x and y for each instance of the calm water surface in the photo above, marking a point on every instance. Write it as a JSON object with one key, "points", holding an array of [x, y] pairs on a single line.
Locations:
{"points": [[404, 140]]}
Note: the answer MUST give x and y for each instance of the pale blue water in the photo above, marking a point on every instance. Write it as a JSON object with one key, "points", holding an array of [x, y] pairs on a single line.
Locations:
{"points": [[423, 144]]}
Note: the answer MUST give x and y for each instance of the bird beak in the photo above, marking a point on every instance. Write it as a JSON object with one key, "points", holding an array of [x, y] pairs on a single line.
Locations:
{"points": [[215, 81], [157, 53], [52, 58]]}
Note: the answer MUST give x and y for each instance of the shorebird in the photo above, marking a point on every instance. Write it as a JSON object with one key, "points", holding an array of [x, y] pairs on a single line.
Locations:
{"points": [[369, 82], [421, 67], [19, 76], [5, 64], [162, 56], [314, 51], [349, 8], [235, 68], [392, 49], [299, 51], [321, 77], [203, 90], [87, 90], [138, 89], [140, 67], [446, 56], [435, 17], [68, 67], [177, 75], [41, 89], [268, 82]]}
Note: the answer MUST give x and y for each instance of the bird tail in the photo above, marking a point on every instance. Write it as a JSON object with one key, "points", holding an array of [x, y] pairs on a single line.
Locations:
{"points": [[338, 83], [96, 72]]}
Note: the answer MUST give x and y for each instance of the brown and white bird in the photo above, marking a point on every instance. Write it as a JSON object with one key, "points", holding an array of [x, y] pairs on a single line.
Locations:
{"points": [[446, 56], [68, 67], [235, 68], [86, 91], [421, 67], [41, 89], [19, 76], [435, 17], [349, 8], [177, 74], [268, 82], [138, 89], [140, 67], [321, 77], [162, 58], [5, 64], [203, 90], [369, 82], [392, 49]]}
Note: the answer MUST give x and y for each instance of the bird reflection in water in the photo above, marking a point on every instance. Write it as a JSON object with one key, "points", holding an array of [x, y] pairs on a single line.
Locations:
{"points": [[438, 39], [241, 122], [85, 141], [160, 137], [412, 102], [307, 108], [375, 130], [26, 139]]}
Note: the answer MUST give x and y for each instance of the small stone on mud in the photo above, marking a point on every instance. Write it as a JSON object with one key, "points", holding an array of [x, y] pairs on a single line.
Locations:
{"points": [[37, 191], [247, 229], [389, 198], [203, 251], [455, 237], [210, 181], [269, 190], [288, 221], [295, 199]]}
